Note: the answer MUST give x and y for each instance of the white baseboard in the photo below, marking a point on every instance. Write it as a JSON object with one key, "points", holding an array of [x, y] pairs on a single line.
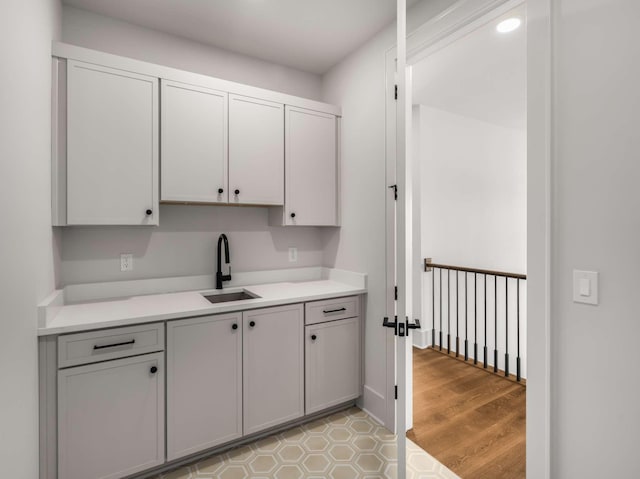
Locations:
{"points": [[420, 338], [374, 404]]}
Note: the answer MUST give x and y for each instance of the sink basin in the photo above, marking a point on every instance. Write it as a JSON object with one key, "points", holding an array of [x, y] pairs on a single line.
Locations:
{"points": [[226, 297]]}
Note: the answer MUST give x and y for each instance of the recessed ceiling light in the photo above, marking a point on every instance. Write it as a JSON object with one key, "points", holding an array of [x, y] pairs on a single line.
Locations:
{"points": [[508, 25]]}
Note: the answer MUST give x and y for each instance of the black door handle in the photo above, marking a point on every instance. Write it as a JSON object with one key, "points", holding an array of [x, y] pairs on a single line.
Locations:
{"points": [[220, 191], [234, 326], [153, 370], [314, 337], [252, 324]]}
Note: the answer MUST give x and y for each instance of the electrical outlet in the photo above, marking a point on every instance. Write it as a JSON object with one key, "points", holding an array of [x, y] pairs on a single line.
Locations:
{"points": [[293, 254], [126, 262]]}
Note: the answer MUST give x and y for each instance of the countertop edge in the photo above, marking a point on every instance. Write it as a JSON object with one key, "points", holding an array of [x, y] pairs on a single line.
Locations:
{"points": [[214, 310]]}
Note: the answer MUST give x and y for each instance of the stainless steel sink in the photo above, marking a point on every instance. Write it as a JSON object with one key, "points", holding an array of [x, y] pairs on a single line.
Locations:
{"points": [[226, 297]]}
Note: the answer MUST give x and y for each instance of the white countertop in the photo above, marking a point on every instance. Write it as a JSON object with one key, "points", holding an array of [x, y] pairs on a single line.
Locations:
{"points": [[159, 307]]}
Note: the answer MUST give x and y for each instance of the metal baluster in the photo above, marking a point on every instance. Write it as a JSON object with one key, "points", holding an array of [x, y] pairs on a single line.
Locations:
{"points": [[506, 327], [466, 323], [457, 318], [433, 308], [440, 333], [485, 321], [495, 310], [448, 312], [475, 318], [518, 376]]}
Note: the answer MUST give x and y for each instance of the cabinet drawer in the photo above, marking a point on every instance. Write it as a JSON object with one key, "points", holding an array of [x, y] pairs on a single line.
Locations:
{"points": [[331, 309], [94, 346]]}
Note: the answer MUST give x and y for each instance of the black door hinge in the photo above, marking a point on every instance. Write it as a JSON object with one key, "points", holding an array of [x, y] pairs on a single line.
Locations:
{"points": [[396, 293], [396, 93], [395, 191], [396, 391]]}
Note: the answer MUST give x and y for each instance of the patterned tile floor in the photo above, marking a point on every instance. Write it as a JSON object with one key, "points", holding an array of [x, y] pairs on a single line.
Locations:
{"points": [[346, 445]]}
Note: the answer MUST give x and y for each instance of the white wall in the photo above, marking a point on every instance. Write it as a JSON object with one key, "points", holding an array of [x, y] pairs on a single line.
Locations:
{"points": [[185, 244], [596, 226], [358, 85], [474, 192], [26, 240], [98, 32]]}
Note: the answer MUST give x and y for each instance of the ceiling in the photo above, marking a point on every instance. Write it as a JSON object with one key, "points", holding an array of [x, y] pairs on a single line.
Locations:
{"points": [[309, 35], [482, 75]]}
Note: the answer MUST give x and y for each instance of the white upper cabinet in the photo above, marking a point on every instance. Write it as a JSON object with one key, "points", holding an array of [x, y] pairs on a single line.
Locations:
{"points": [[194, 144], [112, 146], [311, 170], [256, 151]]}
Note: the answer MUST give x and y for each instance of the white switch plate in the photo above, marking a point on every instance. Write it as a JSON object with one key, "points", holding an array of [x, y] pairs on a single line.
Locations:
{"points": [[126, 262], [293, 255], [585, 287]]}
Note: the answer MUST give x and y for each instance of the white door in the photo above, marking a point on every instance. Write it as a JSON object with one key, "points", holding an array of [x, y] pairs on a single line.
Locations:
{"points": [[273, 364], [332, 363], [311, 168], [204, 383], [111, 418], [194, 144], [112, 146], [256, 151]]}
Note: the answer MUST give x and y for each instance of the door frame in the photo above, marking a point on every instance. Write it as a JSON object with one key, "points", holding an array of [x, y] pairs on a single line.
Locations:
{"points": [[457, 20]]}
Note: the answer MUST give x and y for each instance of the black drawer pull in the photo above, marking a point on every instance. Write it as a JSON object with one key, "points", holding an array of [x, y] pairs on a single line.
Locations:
{"points": [[334, 310], [95, 346]]}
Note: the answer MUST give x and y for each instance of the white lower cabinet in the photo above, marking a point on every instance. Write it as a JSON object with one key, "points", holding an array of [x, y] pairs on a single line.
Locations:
{"points": [[204, 383], [111, 418], [273, 366], [332, 363]]}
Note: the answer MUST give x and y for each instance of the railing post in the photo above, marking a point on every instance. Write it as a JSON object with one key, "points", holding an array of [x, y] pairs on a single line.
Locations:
{"points": [[495, 318], [518, 372], [440, 332], [448, 312], [475, 318], [485, 322], [466, 322], [433, 307], [457, 317], [506, 327]]}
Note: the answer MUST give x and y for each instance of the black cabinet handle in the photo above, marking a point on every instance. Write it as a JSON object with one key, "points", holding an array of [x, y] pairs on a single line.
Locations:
{"points": [[153, 370], [252, 324], [327, 311], [220, 191], [237, 192], [115, 345], [293, 215], [313, 337], [234, 326], [149, 212]]}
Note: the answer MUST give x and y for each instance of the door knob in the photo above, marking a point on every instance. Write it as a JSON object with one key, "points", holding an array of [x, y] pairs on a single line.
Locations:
{"points": [[252, 324], [153, 370], [220, 191], [149, 212]]}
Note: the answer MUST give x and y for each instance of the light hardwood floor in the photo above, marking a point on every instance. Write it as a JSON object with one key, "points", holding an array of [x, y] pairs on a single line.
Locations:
{"points": [[470, 420]]}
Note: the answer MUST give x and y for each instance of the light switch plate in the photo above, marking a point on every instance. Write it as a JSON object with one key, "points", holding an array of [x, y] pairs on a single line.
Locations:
{"points": [[585, 287]]}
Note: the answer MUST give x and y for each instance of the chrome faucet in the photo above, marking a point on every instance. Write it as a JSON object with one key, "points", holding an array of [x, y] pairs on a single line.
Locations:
{"points": [[219, 276]]}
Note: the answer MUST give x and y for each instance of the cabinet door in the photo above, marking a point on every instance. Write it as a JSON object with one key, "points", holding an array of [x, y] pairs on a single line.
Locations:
{"points": [[194, 144], [273, 367], [112, 146], [311, 168], [256, 151], [332, 353], [111, 418], [204, 383]]}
